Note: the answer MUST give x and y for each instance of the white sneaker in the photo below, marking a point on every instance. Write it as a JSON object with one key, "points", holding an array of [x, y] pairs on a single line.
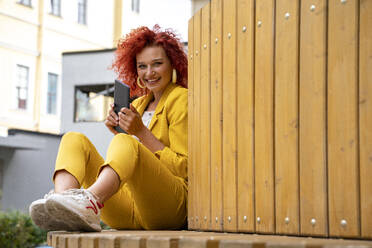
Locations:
{"points": [[76, 207], [42, 218]]}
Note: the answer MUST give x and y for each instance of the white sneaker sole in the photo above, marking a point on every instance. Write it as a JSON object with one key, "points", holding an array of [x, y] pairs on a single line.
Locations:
{"points": [[43, 219], [68, 215]]}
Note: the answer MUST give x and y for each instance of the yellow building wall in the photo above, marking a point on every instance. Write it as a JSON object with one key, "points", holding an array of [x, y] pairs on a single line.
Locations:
{"points": [[19, 44]]}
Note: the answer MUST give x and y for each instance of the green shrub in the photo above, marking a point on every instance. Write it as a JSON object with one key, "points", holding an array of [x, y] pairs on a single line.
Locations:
{"points": [[18, 230]]}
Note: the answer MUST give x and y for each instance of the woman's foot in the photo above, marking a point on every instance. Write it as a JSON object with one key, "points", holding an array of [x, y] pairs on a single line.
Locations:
{"points": [[77, 208], [42, 218]]}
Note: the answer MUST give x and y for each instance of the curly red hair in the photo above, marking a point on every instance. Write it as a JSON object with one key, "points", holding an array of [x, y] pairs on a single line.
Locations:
{"points": [[125, 64]]}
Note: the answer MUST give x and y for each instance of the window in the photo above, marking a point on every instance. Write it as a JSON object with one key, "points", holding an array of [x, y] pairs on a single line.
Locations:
{"points": [[52, 93], [82, 12], [92, 102], [25, 2], [136, 6], [55, 7], [22, 86]]}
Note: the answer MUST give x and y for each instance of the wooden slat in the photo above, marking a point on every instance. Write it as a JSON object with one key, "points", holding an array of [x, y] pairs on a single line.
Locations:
{"points": [[313, 166], [365, 110], [229, 115], [264, 154], [191, 137], [343, 181], [245, 107], [216, 115], [205, 119], [198, 180], [286, 117]]}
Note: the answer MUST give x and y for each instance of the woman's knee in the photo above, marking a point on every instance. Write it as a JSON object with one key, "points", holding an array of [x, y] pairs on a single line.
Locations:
{"points": [[124, 142], [74, 136]]}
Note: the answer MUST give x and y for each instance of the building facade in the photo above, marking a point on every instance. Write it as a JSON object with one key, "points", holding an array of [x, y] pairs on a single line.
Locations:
{"points": [[33, 35]]}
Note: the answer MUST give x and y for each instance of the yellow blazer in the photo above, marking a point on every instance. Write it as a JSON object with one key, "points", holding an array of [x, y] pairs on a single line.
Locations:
{"points": [[169, 125]]}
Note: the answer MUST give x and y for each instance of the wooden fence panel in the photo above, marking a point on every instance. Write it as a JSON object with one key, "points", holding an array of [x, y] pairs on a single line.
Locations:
{"points": [[280, 106], [191, 137], [205, 119], [216, 115], [229, 115], [313, 133], [198, 180], [245, 107], [264, 142], [365, 105], [286, 117], [343, 177]]}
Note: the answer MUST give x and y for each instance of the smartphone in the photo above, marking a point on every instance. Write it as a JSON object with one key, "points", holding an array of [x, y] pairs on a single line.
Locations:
{"points": [[121, 99]]}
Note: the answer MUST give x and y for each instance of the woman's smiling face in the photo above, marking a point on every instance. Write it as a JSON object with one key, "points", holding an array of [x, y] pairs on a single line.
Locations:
{"points": [[154, 69]]}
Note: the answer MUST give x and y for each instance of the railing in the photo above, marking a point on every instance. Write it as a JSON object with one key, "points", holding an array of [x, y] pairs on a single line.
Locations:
{"points": [[280, 117]]}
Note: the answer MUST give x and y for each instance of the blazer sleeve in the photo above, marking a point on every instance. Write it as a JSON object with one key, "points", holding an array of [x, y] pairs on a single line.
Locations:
{"points": [[175, 156]]}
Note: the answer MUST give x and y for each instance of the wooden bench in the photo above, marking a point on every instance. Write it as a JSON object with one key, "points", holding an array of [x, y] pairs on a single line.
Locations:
{"points": [[187, 239]]}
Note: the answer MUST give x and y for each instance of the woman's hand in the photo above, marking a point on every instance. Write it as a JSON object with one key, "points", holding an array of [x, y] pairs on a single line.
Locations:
{"points": [[131, 122], [112, 120]]}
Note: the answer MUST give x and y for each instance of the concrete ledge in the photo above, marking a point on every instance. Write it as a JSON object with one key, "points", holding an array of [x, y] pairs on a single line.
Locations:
{"points": [[190, 239]]}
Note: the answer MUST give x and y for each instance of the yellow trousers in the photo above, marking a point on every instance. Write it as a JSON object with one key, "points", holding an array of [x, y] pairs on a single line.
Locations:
{"points": [[150, 196]]}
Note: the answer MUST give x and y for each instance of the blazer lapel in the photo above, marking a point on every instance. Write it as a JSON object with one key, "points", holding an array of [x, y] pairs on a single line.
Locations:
{"points": [[141, 108], [159, 108]]}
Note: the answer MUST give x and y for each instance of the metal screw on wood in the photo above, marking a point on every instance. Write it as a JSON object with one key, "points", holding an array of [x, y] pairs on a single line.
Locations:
{"points": [[287, 15], [205, 218], [343, 1], [229, 218], [196, 52], [229, 35], [286, 220], [313, 221], [216, 219], [312, 7], [197, 218], [205, 46], [259, 23], [216, 40], [244, 29], [245, 218], [258, 220], [343, 223]]}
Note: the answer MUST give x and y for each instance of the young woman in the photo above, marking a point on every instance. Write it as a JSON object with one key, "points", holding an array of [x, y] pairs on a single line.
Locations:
{"points": [[142, 184]]}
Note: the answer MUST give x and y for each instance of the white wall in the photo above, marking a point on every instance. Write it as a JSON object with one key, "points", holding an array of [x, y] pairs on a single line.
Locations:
{"points": [[173, 14]]}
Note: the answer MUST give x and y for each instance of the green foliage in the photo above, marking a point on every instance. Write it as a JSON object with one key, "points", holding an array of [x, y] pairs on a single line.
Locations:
{"points": [[18, 230], [105, 226]]}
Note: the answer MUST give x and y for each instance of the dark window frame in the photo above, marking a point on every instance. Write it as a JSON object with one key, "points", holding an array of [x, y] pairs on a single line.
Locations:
{"points": [[136, 6], [27, 3], [82, 12], [50, 108], [22, 103], [55, 7]]}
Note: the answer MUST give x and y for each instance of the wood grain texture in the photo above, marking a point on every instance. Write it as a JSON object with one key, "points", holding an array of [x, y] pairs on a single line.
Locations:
{"points": [[205, 119], [191, 137], [198, 180], [245, 108], [264, 129], [365, 110], [216, 116], [313, 135], [229, 115], [343, 176], [286, 117]]}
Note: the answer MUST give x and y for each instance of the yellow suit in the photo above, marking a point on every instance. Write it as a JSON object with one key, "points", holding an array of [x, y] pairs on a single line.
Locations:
{"points": [[153, 194]]}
